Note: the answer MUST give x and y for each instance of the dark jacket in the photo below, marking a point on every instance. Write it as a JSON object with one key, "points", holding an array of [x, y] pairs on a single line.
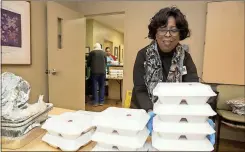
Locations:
{"points": [[97, 62], [140, 98]]}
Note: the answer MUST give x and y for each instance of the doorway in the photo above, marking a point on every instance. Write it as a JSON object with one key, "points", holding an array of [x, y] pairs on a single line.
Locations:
{"points": [[67, 51], [108, 30]]}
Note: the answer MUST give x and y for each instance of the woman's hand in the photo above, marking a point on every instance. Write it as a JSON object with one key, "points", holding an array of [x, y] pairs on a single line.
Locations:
{"points": [[212, 136], [150, 122]]}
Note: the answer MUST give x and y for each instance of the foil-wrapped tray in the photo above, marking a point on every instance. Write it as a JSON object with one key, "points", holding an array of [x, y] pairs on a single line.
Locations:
{"points": [[15, 129], [19, 123], [18, 142]]}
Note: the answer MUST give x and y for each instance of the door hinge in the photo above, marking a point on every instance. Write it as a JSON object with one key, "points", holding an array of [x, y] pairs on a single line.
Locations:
{"points": [[47, 72]]}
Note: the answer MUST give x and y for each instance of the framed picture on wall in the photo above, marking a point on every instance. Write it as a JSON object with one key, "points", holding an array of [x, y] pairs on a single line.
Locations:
{"points": [[119, 54], [122, 54], [15, 32], [116, 51]]}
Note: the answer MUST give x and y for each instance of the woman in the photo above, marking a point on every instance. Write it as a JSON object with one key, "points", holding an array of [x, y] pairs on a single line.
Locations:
{"points": [[164, 60]]}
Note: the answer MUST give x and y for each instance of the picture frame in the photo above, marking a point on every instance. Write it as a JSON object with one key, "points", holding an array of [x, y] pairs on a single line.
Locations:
{"points": [[16, 34], [122, 54], [119, 54], [116, 52], [87, 49]]}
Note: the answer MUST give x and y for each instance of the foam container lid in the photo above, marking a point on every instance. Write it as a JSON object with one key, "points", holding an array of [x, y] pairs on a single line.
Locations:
{"points": [[121, 142], [147, 147], [70, 125], [183, 89], [90, 113], [162, 144], [101, 148], [181, 127], [122, 119], [183, 110], [68, 144]]}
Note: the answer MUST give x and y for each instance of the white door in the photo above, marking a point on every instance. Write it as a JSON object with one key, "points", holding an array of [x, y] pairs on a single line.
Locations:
{"points": [[66, 61]]}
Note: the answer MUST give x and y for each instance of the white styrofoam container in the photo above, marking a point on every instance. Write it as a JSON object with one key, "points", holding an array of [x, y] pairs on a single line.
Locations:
{"points": [[162, 144], [175, 93], [121, 142], [68, 144], [124, 121], [175, 130], [176, 113], [115, 75], [114, 63], [69, 125], [147, 147], [116, 71], [100, 148], [91, 113]]}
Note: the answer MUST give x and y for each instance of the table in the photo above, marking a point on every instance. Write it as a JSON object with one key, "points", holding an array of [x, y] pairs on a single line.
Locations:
{"points": [[39, 145], [119, 81]]}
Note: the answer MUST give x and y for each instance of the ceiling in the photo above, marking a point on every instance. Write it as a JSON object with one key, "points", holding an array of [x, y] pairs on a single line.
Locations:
{"points": [[74, 5], [114, 21]]}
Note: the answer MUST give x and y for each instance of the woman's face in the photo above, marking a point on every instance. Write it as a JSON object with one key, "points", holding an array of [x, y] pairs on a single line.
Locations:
{"points": [[108, 52], [168, 36]]}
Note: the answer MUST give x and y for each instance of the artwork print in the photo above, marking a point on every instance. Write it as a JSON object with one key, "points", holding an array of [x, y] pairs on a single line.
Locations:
{"points": [[16, 32], [11, 29], [116, 51]]}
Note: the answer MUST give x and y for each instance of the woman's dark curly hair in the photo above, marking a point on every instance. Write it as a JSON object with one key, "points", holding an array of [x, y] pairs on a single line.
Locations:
{"points": [[161, 19]]}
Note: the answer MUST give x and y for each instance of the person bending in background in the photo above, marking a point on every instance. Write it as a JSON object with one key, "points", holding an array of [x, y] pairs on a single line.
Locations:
{"points": [[97, 62], [163, 60]]}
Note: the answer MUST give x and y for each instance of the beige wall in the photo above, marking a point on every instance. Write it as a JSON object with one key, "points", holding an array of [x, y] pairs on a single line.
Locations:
{"points": [[102, 32], [34, 73], [89, 33], [137, 16]]}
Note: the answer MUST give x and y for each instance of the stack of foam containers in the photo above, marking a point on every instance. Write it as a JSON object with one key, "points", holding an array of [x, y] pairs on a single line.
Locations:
{"points": [[181, 117], [120, 129], [116, 73], [69, 131], [114, 63]]}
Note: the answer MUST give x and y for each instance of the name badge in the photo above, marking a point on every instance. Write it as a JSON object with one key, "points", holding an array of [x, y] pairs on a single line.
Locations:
{"points": [[184, 71]]}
